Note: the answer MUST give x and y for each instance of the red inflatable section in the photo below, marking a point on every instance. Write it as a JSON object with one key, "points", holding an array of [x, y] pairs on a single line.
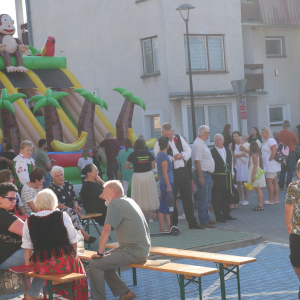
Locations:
{"points": [[65, 159]]}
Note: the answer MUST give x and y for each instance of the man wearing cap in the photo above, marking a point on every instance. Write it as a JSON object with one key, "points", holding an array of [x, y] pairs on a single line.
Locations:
{"points": [[179, 153], [205, 166]]}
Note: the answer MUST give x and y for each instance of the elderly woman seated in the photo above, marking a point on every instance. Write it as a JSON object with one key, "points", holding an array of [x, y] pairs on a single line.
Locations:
{"points": [[31, 188], [53, 239], [64, 191], [11, 253]]}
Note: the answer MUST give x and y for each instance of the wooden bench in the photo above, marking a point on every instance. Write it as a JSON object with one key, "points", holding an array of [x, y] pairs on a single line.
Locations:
{"points": [[226, 263], [85, 221], [60, 281], [187, 274]]}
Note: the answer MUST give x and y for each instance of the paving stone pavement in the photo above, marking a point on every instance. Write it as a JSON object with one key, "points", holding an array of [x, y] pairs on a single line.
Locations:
{"points": [[270, 278]]}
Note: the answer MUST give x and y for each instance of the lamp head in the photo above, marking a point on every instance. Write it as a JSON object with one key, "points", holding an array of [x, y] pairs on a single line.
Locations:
{"points": [[185, 7]]}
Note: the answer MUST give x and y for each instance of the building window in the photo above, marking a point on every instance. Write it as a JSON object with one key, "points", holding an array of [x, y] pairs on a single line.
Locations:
{"points": [[150, 56], [277, 114], [207, 53], [214, 116], [155, 127], [275, 46]]}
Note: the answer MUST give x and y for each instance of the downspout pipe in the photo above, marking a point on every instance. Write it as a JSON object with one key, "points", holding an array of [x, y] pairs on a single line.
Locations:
{"points": [[29, 27]]}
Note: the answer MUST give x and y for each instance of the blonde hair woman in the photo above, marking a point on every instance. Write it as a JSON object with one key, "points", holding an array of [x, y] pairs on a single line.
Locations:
{"points": [[23, 164], [84, 160], [270, 165]]}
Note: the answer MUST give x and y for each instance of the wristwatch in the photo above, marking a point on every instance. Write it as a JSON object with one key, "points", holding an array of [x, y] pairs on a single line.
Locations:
{"points": [[101, 255]]}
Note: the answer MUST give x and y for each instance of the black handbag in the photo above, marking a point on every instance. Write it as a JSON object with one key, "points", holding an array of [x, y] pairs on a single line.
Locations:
{"points": [[234, 199]]}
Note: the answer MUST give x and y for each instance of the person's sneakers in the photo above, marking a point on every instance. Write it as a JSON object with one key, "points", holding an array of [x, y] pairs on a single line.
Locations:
{"points": [[130, 295], [245, 202], [182, 217], [221, 221], [229, 217], [196, 226], [212, 222], [91, 240], [208, 226], [150, 220]]}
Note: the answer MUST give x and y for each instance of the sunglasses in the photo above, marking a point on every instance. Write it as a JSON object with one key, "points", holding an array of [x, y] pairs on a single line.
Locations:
{"points": [[11, 198]]}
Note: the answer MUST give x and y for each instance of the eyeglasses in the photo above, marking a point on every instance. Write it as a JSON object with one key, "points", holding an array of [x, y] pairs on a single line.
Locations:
{"points": [[11, 198], [207, 132]]}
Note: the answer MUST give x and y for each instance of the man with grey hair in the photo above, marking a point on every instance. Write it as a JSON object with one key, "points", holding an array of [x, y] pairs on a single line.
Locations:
{"points": [[112, 148], [179, 153], [222, 187], [204, 167], [132, 233]]}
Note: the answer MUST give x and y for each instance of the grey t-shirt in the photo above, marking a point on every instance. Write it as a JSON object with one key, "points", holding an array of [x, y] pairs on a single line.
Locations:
{"points": [[130, 226]]}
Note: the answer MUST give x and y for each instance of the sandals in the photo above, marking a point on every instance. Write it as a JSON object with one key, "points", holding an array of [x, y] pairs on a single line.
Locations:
{"points": [[257, 208], [268, 202]]}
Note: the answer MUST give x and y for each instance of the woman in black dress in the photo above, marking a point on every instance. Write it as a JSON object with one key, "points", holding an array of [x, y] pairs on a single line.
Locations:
{"points": [[7, 155], [255, 135], [90, 193], [227, 136]]}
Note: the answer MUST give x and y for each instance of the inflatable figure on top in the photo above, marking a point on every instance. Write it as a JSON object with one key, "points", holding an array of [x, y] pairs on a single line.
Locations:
{"points": [[10, 46]]}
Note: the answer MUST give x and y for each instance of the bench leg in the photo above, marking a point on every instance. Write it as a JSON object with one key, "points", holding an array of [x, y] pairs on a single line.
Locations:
{"points": [[222, 281], [181, 286], [50, 289], [96, 227], [134, 276], [238, 281], [200, 288], [70, 290], [88, 231]]}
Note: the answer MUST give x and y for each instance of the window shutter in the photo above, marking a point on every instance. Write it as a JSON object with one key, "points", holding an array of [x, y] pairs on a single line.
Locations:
{"points": [[215, 50], [198, 53], [148, 61], [156, 57]]}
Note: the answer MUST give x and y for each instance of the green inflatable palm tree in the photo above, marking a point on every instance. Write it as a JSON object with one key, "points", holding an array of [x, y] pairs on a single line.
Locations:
{"points": [[10, 128], [52, 121]]}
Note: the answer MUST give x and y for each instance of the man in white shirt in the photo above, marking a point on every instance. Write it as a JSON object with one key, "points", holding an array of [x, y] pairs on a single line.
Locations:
{"points": [[180, 152], [205, 166], [222, 187]]}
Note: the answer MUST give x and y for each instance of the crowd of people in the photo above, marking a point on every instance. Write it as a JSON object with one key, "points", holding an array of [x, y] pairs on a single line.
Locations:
{"points": [[40, 214]]}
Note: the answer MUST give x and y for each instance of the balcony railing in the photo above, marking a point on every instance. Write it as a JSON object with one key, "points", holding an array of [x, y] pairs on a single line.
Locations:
{"points": [[250, 12], [255, 81]]}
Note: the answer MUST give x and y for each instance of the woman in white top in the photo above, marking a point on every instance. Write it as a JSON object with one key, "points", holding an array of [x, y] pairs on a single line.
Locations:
{"points": [[241, 167], [84, 160], [268, 152]]}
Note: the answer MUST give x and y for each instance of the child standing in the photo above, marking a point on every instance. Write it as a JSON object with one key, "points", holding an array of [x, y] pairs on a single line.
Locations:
{"points": [[84, 160], [255, 162]]}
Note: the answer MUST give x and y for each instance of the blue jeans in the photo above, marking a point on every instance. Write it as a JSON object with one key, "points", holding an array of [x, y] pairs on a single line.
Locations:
{"points": [[203, 197], [18, 259], [112, 170], [289, 168], [47, 181]]}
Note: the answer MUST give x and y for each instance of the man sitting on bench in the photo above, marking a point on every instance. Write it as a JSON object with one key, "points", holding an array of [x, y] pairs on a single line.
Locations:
{"points": [[132, 233]]}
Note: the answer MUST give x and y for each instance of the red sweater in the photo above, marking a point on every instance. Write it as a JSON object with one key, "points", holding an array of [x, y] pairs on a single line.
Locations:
{"points": [[288, 138]]}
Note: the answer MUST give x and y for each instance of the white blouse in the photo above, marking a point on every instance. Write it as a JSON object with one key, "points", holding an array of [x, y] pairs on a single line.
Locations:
{"points": [[269, 166], [72, 233]]}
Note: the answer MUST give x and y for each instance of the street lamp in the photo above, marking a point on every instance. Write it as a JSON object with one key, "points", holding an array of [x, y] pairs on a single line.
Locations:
{"points": [[181, 8]]}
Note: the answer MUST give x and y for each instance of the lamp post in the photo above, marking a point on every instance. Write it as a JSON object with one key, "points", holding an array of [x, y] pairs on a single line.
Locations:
{"points": [[181, 8]]}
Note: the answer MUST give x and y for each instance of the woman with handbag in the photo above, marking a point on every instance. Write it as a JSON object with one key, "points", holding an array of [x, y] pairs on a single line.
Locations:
{"points": [[268, 153], [143, 187], [123, 174]]}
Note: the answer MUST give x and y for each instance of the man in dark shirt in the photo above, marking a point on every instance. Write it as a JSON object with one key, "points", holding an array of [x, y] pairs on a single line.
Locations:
{"points": [[112, 148]]}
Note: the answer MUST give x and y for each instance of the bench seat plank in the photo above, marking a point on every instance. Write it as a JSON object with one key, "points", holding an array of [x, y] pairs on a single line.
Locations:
{"points": [[187, 270], [57, 278], [89, 216], [190, 254]]}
